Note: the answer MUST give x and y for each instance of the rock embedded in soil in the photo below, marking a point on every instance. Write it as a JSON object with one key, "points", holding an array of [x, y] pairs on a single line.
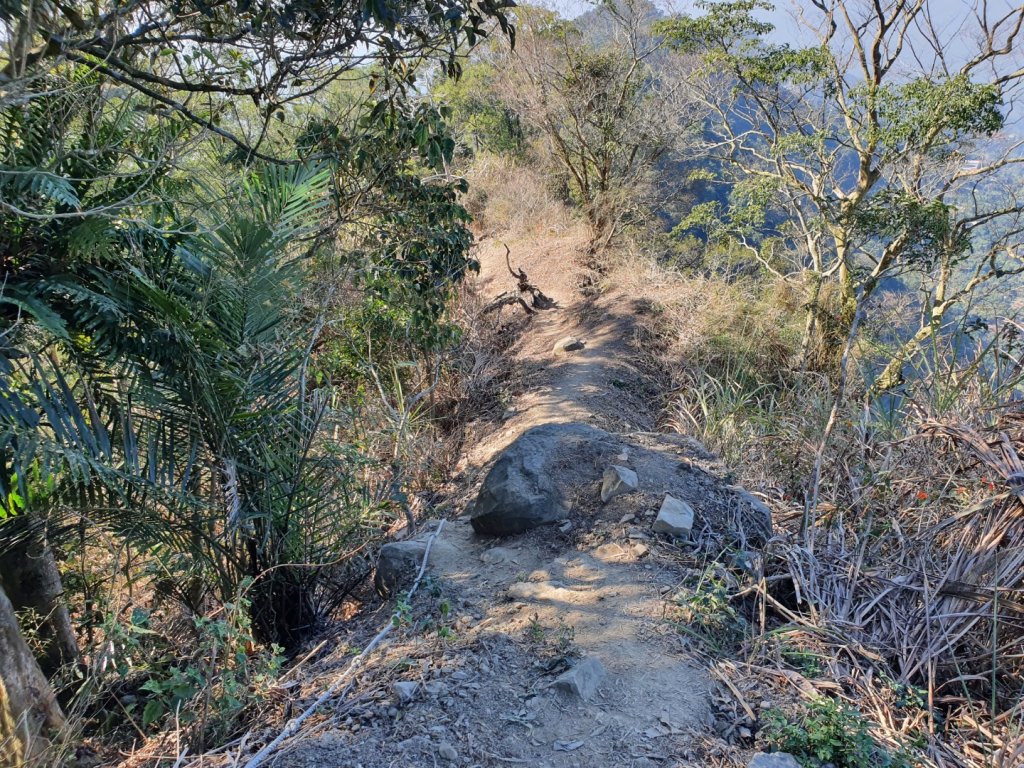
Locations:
{"points": [[583, 679], [405, 690], [569, 344], [674, 518], [497, 555], [616, 481], [528, 485], [397, 565], [447, 751], [435, 688], [610, 552], [773, 760]]}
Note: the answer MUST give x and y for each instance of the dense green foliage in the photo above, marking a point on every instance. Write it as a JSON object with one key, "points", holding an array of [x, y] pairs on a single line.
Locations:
{"points": [[203, 209], [828, 733]]}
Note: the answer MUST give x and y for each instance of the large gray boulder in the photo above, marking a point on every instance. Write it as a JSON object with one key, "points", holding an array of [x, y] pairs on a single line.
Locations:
{"points": [[528, 485]]}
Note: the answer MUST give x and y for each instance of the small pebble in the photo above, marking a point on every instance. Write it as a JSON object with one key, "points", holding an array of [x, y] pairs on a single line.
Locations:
{"points": [[447, 751]]}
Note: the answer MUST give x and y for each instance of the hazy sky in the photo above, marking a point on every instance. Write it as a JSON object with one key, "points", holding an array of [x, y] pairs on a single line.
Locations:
{"points": [[954, 22]]}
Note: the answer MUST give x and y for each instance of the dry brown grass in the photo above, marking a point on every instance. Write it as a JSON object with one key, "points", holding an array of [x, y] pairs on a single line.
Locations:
{"points": [[915, 585], [514, 198], [909, 585]]}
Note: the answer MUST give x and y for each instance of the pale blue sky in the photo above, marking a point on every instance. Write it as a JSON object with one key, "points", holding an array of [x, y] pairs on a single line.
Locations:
{"points": [[954, 22], [952, 19]]}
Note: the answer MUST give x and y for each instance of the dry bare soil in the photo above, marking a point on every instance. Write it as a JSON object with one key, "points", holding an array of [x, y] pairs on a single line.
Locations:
{"points": [[466, 680]]}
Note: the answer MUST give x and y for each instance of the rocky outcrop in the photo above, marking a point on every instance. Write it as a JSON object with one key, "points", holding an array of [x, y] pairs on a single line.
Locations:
{"points": [[528, 484], [533, 480]]}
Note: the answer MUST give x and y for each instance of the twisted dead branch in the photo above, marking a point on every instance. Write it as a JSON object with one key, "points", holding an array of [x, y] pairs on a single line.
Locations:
{"points": [[538, 300]]}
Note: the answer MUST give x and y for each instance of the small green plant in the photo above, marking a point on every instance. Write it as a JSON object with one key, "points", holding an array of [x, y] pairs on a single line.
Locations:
{"points": [[703, 609], [565, 638], [403, 611], [442, 624], [828, 732], [553, 646], [808, 662], [226, 673], [535, 631]]}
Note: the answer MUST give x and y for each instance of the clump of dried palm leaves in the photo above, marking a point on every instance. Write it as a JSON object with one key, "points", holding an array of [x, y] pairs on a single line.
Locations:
{"points": [[915, 585]]}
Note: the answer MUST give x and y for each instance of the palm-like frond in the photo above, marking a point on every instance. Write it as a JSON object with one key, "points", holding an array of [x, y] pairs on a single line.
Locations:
{"points": [[156, 383]]}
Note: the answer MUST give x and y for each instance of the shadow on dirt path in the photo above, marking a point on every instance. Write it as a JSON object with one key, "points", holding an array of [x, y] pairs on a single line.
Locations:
{"points": [[469, 681]]}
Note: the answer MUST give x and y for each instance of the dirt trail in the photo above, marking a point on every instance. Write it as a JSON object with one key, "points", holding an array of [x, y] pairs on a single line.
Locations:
{"points": [[597, 385], [502, 618]]}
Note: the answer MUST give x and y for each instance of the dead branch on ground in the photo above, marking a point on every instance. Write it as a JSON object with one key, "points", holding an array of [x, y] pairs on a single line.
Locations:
{"points": [[538, 300]]}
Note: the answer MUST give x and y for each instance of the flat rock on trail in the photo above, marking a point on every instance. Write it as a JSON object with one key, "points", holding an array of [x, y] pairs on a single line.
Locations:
{"points": [[470, 680]]}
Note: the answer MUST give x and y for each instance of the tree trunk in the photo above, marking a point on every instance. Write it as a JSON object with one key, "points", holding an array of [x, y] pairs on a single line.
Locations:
{"points": [[847, 285], [810, 322], [892, 375], [28, 707], [29, 576]]}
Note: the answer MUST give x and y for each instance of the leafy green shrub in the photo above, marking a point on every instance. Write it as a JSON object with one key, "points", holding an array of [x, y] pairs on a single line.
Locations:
{"points": [[703, 609], [225, 674], [481, 117], [830, 732]]}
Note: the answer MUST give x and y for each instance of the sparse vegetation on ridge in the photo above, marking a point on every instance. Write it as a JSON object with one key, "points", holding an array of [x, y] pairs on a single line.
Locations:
{"points": [[239, 350]]}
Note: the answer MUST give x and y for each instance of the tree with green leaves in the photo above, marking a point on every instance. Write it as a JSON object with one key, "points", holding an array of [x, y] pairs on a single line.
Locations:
{"points": [[482, 119], [201, 61], [161, 231], [860, 144], [610, 110]]}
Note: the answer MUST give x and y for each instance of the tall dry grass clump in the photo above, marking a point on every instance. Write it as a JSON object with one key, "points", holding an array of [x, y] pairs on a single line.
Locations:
{"points": [[906, 578], [507, 195]]}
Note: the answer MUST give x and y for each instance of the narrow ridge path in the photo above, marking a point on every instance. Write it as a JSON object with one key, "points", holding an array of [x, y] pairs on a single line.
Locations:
{"points": [[524, 607]]}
